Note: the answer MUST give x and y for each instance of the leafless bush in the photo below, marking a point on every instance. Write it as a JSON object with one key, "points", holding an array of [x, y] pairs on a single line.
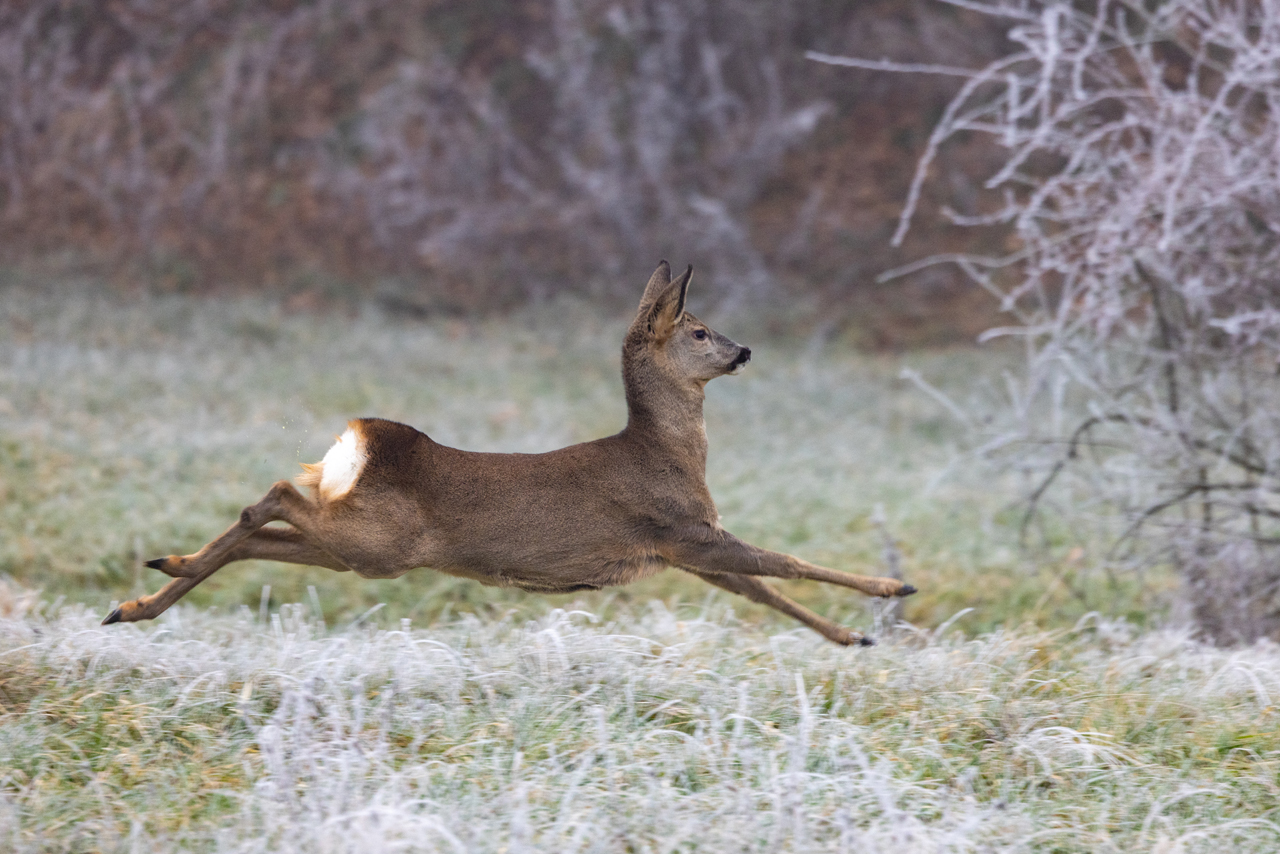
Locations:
{"points": [[1142, 180], [219, 130], [649, 129], [140, 127]]}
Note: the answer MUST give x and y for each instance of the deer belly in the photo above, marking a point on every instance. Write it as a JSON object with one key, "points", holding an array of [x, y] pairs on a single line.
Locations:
{"points": [[568, 576], [547, 570]]}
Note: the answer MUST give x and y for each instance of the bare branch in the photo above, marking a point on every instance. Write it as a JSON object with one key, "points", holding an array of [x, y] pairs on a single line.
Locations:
{"points": [[1139, 181]]}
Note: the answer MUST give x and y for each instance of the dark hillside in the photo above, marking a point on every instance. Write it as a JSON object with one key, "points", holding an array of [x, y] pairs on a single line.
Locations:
{"points": [[468, 155]]}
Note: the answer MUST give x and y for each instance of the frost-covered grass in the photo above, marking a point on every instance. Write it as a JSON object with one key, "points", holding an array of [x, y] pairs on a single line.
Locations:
{"points": [[648, 733], [661, 717]]}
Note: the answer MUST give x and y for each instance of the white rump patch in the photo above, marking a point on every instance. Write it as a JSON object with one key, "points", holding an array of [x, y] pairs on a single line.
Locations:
{"points": [[342, 465]]}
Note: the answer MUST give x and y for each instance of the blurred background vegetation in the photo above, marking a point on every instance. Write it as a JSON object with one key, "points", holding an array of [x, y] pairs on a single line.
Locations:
{"points": [[462, 157]]}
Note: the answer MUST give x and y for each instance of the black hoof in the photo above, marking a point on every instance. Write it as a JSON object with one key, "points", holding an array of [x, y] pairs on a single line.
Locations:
{"points": [[157, 563], [906, 590], [113, 617], [866, 641]]}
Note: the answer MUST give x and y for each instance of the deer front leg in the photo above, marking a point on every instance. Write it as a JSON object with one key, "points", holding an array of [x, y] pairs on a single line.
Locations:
{"points": [[281, 503], [757, 591], [715, 551]]}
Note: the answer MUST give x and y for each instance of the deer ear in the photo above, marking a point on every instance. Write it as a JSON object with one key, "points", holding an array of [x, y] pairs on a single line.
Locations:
{"points": [[657, 285], [665, 313], [681, 290]]}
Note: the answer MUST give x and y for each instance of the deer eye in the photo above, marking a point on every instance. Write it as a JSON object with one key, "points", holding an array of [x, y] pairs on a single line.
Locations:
{"points": [[700, 334]]}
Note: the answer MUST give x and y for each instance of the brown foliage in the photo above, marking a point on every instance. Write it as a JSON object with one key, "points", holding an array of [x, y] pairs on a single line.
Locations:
{"points": [[471, 154]]}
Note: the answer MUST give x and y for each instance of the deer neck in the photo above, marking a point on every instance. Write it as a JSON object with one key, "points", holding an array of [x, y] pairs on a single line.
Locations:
{"points": [[665, 414]]}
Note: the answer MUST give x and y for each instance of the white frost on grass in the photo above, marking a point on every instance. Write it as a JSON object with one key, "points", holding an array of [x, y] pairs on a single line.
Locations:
{"points": [[654, 734]]}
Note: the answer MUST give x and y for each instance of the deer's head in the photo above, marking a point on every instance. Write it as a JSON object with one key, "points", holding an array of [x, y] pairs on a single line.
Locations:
{"points": [[683, 349]]}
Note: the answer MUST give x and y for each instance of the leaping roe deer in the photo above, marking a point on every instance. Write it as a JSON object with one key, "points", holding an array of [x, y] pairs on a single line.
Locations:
{"points": [[387, 499]]}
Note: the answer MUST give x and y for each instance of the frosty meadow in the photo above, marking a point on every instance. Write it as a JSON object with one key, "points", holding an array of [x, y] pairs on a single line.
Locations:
{"points": [[387, 499]]}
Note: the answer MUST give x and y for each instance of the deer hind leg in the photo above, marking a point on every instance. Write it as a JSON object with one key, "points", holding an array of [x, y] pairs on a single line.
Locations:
{"points": [[286, 545], [282, 503], [757, 591]]}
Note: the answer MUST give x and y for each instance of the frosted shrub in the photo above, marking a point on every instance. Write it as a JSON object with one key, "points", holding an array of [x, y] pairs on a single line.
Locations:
{"points": [[653, 127], [1141, 180]]}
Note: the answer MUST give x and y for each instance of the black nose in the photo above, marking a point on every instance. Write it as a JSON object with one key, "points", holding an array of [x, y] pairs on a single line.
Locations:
{"points": [[744, 356]]}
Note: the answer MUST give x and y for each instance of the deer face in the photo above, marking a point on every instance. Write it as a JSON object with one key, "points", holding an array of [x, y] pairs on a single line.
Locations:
{"points": [[700, 353], [686, 348]]}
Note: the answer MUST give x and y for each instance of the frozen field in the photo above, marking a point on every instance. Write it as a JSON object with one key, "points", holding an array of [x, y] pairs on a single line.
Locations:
{"points": [[648, 733], [432, 714]]}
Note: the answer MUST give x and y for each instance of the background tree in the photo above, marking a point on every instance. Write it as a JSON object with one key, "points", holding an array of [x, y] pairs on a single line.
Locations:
{"points": [[1141, 180]]}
